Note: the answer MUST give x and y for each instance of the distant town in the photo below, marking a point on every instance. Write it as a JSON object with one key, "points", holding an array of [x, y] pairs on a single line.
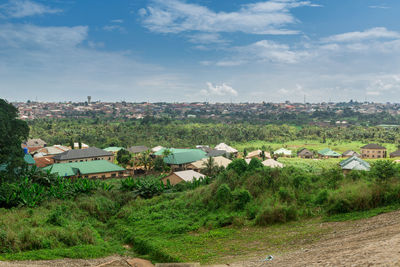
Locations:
{"points": [[38, 110]]}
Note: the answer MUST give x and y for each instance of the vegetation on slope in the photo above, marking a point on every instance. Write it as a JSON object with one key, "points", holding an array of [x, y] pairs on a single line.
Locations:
{"points": [[193, 222]]}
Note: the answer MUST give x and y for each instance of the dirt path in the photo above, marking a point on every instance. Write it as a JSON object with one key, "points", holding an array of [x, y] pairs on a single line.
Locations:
{"points": [[369, 242]]}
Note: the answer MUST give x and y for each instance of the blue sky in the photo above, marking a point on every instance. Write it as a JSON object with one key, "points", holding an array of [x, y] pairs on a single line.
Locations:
{"points": [[192, 50]]}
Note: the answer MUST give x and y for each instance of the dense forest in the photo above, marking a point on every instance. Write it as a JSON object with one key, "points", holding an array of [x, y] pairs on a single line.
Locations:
{"points": [[151, 132]]}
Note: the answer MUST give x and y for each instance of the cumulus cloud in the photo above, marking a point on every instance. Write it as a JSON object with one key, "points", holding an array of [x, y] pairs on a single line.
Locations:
{"points": [[219, 90], [176, 16], [25, 8], [370, 34]]}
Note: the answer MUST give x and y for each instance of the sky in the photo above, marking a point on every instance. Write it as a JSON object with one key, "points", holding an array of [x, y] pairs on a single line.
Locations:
{"points": [[192, 50]]}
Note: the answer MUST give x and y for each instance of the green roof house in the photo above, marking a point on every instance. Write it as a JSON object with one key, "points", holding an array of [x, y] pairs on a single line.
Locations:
{"points": [[328, 153], [87, 169], [354, 164], [182, 156]]}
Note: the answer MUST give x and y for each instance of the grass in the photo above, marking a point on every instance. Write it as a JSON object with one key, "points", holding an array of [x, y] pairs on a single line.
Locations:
{"points": [[338, 146], [358, 215]]}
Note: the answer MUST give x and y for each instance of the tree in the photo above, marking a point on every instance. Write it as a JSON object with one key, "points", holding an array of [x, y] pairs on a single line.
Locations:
{"points": [[210, 167], [144, 159], [12, 133], [71, 143], [383, 170], [80, 144], [244, 152], [124, 157]]}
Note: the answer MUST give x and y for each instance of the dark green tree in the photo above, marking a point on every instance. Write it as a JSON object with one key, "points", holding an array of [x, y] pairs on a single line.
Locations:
{"points": [[12, 133], [123, 157]]}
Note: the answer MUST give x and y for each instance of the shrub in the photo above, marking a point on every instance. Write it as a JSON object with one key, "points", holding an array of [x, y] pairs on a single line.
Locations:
{"points": [[254, 164], [321, 197], [238, 165], [276, 214], [383, 170], [241, 198], [224, 194]]}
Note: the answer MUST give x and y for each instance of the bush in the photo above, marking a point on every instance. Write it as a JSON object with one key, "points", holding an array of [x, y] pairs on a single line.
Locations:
{"points": [[224, 195], [276, 214], [238, 165], [254, 164], [241, 198], [383, 170]]}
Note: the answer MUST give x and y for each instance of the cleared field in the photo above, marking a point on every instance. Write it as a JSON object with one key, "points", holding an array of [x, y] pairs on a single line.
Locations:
{"points": [[338, 146]]}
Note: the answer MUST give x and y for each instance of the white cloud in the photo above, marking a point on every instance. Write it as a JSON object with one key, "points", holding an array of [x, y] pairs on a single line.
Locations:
{"points": [[206, 38], [379, 7], [28, 36], [219, 90], [111, 28], [370, 34], [117, 21], [176, 16], [62, 63], [25, 8]]}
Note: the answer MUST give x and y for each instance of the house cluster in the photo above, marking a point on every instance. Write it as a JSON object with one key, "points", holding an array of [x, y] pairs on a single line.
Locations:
{"points": [[185, 163], [33, 110]]}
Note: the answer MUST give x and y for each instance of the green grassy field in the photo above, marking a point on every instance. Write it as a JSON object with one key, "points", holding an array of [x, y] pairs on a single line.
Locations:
{"points": [[339, 147]]}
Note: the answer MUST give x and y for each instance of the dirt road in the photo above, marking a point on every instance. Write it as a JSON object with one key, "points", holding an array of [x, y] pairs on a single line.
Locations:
{"points": [[368, 242]]}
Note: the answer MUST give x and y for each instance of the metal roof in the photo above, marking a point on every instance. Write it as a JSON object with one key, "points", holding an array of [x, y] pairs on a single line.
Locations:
{"points": [[183, 156], [373, 146], [189, 175], [86, 167], [328, 152], [138, 149], [82, 153], [355, 163]]}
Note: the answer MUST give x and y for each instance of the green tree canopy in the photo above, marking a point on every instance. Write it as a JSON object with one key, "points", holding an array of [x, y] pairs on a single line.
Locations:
{"points": [[12, 133]]}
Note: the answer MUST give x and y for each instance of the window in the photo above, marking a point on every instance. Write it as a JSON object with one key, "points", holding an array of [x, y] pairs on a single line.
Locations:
{"points": [[113, 175], [103, 176], [86, 176], [70, 161], [109, 158]]}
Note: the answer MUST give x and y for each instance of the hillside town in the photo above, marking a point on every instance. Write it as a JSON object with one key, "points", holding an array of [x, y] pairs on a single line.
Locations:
{"points": [[37, 110], [183, 164]]}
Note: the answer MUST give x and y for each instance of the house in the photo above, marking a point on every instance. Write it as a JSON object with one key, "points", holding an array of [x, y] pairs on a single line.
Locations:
{"points": [[283, 152], [395, 154], [218, 161], [87, 169], [305, 154], [34, 144], [229, 149], [50, 151], [272, 163], [80, 155], [83, 145], [37, 142], [179, 158], [27, 158], [373, 151], [182, 176], [354, 164], [328, 153], [137, 149], [156, 149], [45, 161], [113, 149], [350, 153], [258, 154], [217, 153]]}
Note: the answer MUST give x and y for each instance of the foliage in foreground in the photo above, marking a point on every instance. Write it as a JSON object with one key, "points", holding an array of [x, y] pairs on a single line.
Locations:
{"points": [[177, 225]]}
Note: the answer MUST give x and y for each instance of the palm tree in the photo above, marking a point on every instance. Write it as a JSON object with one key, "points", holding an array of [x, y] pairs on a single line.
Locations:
{"points": [[144, 159], [210, 168]]}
